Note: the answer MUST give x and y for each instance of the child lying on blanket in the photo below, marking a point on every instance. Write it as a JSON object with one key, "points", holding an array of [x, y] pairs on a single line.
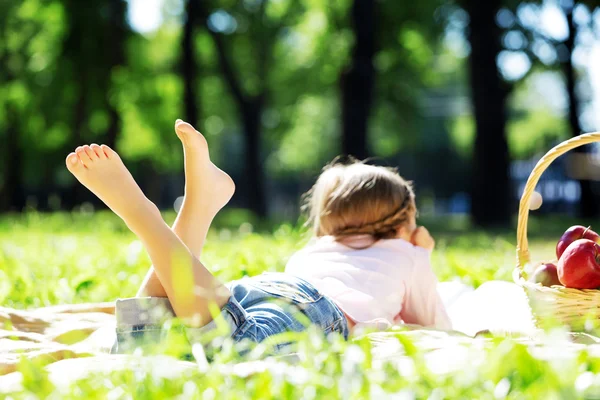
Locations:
{"points": [[369, 261], [367, 254]]}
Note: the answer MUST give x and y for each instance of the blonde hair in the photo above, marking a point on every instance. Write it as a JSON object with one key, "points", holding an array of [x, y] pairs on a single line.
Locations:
{"points": [[356, 198]]}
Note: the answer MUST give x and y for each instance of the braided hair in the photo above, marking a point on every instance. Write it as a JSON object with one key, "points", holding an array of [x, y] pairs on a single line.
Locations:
{"points": [[355, 198]]}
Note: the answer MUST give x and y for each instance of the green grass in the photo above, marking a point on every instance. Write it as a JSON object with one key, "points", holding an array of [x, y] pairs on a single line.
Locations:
{"points": [[75, 257], [60, 258]]}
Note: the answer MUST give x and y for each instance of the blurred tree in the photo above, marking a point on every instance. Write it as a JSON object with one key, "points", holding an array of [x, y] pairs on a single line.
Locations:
{"points": [[358, 80], [93, 50], [245, 63], [303, 120], [29, 31], [589, 206], [560, 57], [92, 53], [390, 66], [490, 193], [189, 66], [117, 33], [12, 197], [564, 51], [287, 82], [11, 186]]}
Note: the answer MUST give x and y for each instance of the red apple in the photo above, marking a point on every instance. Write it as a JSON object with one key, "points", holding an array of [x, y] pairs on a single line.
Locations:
{"points": [[572, 234], [579, 266], [546, 274]]}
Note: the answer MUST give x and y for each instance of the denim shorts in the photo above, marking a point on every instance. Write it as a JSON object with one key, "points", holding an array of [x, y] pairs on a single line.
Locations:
{"points": [[259, 308]]}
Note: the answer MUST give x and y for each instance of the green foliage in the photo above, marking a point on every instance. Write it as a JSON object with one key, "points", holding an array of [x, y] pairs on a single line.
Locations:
{"points": [[61, 258], [148, 94], [31, 32], [529, 133], [64, 257], [535, 133], [62, 85], [294, 51], [462, 134]]}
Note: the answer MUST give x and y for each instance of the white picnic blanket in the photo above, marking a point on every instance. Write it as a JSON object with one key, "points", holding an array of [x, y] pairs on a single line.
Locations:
{"points": [[74, 340], [498, 306]]}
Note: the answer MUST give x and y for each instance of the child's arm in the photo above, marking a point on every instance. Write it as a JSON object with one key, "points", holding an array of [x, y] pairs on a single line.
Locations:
{"points": [[422, 303], [422, 238]]}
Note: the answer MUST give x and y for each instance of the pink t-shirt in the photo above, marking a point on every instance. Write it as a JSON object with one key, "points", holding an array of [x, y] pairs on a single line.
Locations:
{"points": [[390, 280]]}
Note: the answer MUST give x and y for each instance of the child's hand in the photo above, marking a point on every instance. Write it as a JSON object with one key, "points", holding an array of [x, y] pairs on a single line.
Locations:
{"points": [[422, 238]]}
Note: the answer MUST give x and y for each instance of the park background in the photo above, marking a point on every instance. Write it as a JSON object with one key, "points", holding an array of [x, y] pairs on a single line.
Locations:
{"points": [[462, 96]]}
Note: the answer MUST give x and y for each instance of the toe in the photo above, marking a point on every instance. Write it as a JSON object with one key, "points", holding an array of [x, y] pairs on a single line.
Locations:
{"points": [[90, 153], [179, 122], [189, 136], [81, 153], [110, 153], [98, 151], [185, 127], [73, 163]]}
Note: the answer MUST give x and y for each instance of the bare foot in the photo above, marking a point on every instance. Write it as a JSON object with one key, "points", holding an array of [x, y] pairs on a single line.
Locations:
{"points": [[205, 183], [207, 190], [100, 169]]}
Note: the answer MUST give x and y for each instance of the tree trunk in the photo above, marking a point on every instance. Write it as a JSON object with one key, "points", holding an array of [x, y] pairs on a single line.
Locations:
{"points": [[588, 205], [491, 190], [114, 127], [12, 196], [251, 118], [358, 80], [82, 76], [77, 193], [188, 63], [118, 35], [250, 109]]}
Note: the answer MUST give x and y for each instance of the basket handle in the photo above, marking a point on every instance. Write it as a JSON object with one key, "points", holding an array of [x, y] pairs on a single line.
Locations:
{"points": [[522, 244]]}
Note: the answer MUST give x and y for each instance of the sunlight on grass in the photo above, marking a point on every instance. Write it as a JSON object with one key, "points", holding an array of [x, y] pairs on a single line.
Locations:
{"points": [[74, 258]]}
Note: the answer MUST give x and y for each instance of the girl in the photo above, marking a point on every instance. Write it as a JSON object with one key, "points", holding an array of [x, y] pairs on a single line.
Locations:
{"points": [[258, 308], [367, 255]]}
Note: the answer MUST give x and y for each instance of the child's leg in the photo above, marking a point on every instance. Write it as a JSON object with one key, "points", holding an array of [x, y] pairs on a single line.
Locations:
{"points": [[190, 287], [207, 190]]}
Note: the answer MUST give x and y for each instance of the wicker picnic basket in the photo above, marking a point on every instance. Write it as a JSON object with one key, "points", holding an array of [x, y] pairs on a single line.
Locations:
{"points": [[557, 304]]}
